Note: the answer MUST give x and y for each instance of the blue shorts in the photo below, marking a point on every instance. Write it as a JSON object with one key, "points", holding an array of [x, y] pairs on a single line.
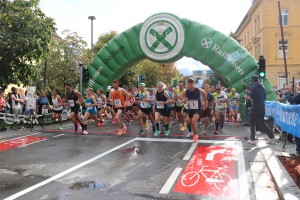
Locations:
{"points": [[234, 107], [92, 111]]}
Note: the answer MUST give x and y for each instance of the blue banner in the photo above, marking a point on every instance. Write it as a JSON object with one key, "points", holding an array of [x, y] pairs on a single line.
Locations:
{"points": [[287, 117]]}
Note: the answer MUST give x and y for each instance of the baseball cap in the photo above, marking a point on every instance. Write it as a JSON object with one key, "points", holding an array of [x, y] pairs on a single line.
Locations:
{"points": [[142, 84], [233, 89]]}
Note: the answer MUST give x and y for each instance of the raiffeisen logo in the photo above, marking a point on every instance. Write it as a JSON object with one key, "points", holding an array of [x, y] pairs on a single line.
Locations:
{"points": [[162, 37], [207, 43]]}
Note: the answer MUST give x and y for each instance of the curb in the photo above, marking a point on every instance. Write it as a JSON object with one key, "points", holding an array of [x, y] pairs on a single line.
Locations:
{"points": [[285, 185]]}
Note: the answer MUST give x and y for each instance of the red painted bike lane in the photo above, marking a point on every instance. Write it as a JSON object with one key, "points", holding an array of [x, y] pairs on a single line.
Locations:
{"points": [[18, 142], [212, 171]]}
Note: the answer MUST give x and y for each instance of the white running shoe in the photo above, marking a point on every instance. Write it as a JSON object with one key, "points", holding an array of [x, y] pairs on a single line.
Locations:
{"points": [[190, 134]]}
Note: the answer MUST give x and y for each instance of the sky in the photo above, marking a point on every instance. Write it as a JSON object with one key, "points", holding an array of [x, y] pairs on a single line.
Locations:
{"points": [[120, 15]]}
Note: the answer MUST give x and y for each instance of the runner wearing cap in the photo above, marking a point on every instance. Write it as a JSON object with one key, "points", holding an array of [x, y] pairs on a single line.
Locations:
{"points": [[234, 99], [144, 108]]}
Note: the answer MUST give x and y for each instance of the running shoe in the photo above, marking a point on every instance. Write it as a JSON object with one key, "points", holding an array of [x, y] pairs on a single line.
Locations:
{"points": [[113, 121], [142, 132], [84, 132], [120, 131], [156, 133], [100, 124], [146, 125], [236, 124], [61, 128], [167, 133], [195, 138], [76, 129], [217, 133], [189, 135], [204, 132], [182, 128], [153, 129], [106, 116], [124, 129]]}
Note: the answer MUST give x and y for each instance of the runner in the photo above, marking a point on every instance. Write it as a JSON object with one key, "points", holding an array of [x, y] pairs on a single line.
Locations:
{"points": [[144, 102], [57, 108], [90, 104], [101, 102], [116, 96], [220, 108], [109, 107], [169, 110], [234, 99], [162, 99], [74, 99], [129, 106], [152, 108], [179, 105], [192, 96], [206, 115]]}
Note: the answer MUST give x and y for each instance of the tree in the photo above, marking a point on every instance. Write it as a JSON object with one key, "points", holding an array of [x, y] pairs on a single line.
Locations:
{"points": [[25, 33], [63, 60], [102, 40]]}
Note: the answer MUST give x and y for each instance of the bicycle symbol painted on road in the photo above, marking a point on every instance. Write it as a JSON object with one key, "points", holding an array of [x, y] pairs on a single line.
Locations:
{"points": [[220, 180]]}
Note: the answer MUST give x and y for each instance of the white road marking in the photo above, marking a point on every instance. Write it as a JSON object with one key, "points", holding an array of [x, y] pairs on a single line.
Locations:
{"points": [[243, 180], [190, 152], [21, 137], [58, 135], [25, 145], [183, 140], [168, 185], [49, 180]]}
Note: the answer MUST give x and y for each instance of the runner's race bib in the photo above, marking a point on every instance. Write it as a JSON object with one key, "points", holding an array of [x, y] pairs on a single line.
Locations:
{"points": [[144, 104], [89, 106], [233, 102], [71, 103], [160, 105], [117, 102], [193, 104]]}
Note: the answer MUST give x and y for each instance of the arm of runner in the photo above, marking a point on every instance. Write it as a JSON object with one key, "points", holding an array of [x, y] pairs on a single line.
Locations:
{"points": [[94, 101], [204, 94], [166, 94], [80, 98]]}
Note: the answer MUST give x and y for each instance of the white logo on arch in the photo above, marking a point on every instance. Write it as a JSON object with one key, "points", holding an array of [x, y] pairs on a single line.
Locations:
{"points": [[206, 42], [162, 37]]}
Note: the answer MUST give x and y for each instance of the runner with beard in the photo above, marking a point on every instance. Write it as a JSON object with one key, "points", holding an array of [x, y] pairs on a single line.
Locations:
{"points": [[117, 95]]}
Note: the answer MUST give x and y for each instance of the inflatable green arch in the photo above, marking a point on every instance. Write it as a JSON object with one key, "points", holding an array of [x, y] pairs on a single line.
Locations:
{"points": [[164, 37]]}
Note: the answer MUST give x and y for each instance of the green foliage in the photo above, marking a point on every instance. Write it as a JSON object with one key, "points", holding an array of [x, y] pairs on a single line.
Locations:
{"points": [[25, 33], [102, 40], [63, 60]]}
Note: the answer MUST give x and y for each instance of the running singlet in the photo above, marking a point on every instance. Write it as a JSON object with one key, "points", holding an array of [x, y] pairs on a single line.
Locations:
{"points": [[100, 101], [88, 102], [72, 98], [222, 96], [56, 105], [233, 99], [193, 97], [178, 103], [118, 98], [142, 96], [160, 99]]}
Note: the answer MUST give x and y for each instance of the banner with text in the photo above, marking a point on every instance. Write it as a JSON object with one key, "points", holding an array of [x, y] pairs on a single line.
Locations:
{"points": [[285, 116]]}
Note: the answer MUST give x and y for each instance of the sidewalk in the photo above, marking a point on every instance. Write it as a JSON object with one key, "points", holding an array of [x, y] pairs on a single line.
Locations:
{"points": [[286, 186]]}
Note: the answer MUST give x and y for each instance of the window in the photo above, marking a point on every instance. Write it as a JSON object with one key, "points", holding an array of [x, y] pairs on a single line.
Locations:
{"points": [[284, 16], [280, 49]]}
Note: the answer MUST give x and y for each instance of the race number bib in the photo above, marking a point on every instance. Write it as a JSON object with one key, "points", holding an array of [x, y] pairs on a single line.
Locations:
{"points": [[233, 102], [193, 104], [220, 106], [89, 106], [71, 103], [118, 102], [144, 104], [160, 105]]}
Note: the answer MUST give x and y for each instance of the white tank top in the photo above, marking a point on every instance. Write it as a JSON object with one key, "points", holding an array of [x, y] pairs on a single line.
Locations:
{"points": [[55, 103]]}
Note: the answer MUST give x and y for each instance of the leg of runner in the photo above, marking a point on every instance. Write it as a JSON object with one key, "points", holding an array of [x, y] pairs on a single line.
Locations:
{"points": [[188, 122], [217, 117], [120, 122], [84, 127], [157, 119], [140, 122], [194, 121]]}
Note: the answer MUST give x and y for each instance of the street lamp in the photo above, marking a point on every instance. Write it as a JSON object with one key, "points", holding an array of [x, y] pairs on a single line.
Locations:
{"points": [[92, 18]]}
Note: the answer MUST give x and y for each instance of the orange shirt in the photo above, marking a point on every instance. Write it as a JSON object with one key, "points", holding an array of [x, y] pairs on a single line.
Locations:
{"points": [[118, 98]]}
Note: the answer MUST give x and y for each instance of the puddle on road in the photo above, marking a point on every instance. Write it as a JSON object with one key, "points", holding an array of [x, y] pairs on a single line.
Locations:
{"points": [[134, 150], [88, 185]]}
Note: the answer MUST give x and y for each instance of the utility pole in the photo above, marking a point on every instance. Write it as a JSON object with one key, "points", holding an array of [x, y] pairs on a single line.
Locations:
{"points": [[92, 18], [283, 44]]}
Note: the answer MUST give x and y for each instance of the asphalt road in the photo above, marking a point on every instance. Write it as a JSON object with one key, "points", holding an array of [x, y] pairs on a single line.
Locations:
{"points": [[51, 164]]}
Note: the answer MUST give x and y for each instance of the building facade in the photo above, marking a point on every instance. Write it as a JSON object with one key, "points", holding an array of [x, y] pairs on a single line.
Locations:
{"points": [[260, 33]]}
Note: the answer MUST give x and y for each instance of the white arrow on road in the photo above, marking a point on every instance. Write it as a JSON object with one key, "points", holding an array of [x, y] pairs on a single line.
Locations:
{"points": [[210, 156]]}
